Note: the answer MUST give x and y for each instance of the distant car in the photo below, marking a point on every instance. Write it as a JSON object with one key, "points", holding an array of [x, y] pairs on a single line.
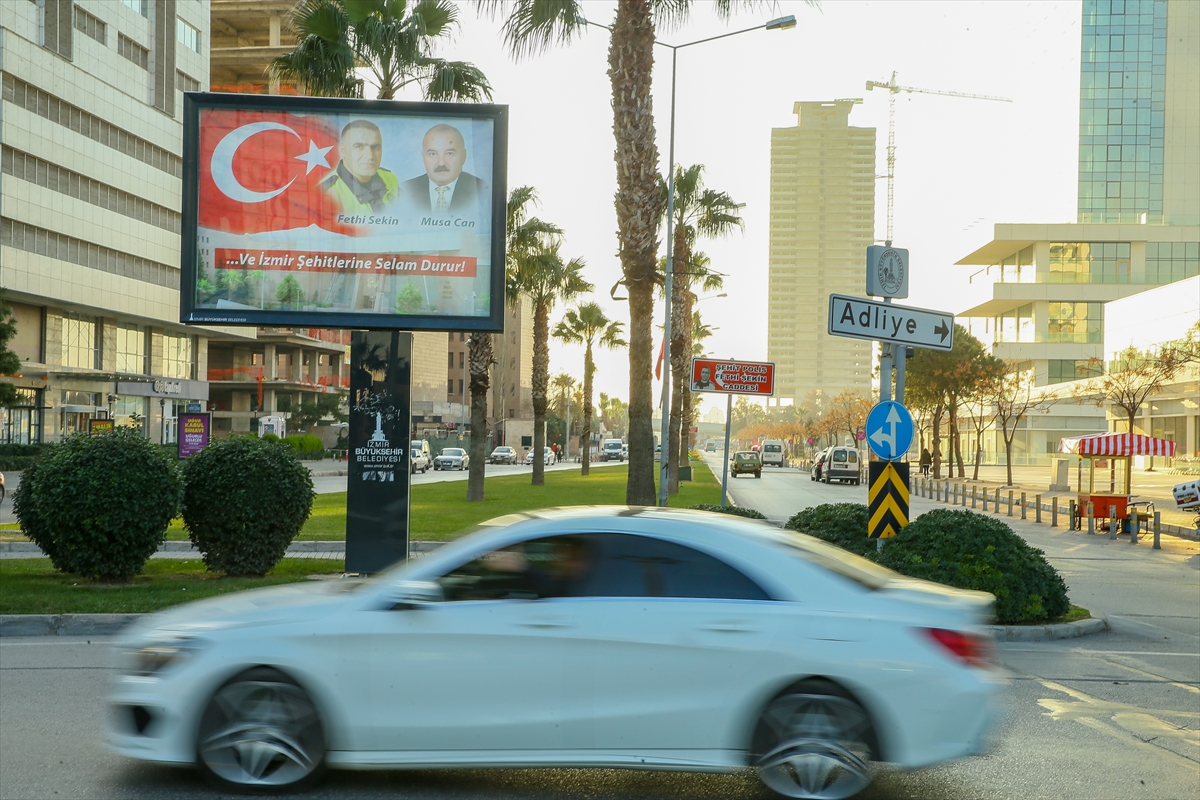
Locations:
{"points": [[452, 458], [710, 447], [745, 461], [773, 453], [818, 465], [3, 491], [419, 456], [841, 465], [593, 637], [612, 450], [503, 455], [548, 457]]}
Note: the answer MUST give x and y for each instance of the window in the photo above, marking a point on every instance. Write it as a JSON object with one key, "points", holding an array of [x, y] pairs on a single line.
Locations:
{"points": [[188, 36], [90, 26], [178, 356], [1089, 262], [132, 51], [1079, 323], [65, 248], [1114, 152], [462, 359], [1062, 370], [139, 6], [451, 364], [450, 387], [1167, 262], [131, 348], [79, 344], [186, 82], [597, 565]]}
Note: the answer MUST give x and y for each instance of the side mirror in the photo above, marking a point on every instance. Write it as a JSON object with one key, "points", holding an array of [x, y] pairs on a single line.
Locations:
{"points": [[407, 595]]}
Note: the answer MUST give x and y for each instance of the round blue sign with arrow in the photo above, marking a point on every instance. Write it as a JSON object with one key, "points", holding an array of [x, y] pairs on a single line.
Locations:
{"points": [[889, 430]]}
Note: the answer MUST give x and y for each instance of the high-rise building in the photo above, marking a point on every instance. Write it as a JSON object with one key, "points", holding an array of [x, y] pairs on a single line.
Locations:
{"points": [[91, 146], [1139, 110], [822, 221]]}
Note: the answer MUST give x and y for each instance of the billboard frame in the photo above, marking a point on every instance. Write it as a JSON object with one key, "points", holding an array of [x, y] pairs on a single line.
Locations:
{"points": [[195, 102]]}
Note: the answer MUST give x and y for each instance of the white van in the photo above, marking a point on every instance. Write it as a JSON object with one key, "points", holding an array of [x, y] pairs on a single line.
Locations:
{"points": [[612, 450], [773, 453], [841, 464]]}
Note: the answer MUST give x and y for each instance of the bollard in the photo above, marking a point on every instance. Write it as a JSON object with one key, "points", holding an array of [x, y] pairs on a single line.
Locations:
{"points": [[1112, 523], [1010, 504], [974, 498], [1091, 515], [1075, 522], [1037, 508], [996, 505], [1053, 512], [985, 498], [1157, 530], [1134, 523], [1023, 505]]}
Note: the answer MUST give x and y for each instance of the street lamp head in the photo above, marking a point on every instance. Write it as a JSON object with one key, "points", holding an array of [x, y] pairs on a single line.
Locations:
{"points": [[781, 23]]}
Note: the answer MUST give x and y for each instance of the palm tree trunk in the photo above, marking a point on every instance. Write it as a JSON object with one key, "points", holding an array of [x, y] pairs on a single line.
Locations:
{"points": [[685, 391], [638, 207], [482, 357], [678, 355], [589, 369], [541, 376]]}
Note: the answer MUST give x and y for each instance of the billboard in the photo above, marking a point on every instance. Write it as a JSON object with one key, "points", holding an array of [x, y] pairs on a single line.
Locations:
{"points": [[195, 429], [733, 377], [339, 213]]}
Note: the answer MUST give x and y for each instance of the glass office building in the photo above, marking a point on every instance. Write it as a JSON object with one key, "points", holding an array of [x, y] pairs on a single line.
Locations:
{"points": [[1122, 97]]}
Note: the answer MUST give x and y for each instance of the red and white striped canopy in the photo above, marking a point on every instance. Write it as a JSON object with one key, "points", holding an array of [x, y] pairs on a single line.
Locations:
{"points": [[1117, 444]]}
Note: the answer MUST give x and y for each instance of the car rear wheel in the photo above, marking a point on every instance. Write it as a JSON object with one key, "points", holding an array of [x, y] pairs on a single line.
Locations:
{"points": [[261, 732], [814, 741]]}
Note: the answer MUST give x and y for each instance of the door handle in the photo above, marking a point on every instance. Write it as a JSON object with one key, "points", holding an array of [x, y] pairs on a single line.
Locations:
{"points": [[729, 626], [546, 623]]}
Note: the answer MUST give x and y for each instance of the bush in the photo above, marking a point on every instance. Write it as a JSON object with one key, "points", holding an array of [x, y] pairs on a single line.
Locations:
{"points": [[305, 445], [266, 437], [735, 510], [27, 450], [16, 463], [973, 551], [842, 524], [99, 506], [244, 500]]}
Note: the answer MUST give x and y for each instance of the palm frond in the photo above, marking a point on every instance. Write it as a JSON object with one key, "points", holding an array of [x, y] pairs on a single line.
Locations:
{"points": [[534, 26], [457, 81]]}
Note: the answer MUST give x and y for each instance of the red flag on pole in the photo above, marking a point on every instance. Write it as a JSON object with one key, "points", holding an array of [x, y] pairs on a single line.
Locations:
{"points": [[662, 351]]}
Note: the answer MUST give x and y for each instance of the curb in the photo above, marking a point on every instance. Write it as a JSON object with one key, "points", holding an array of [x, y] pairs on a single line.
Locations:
{"points": [[63, 624], [1044, 633]]}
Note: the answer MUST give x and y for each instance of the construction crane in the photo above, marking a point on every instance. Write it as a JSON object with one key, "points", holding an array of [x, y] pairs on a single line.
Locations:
{"points": [[893, 90]]}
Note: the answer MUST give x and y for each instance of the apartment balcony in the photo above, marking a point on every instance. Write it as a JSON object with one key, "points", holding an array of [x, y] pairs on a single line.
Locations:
{"points": [[231, 377]]}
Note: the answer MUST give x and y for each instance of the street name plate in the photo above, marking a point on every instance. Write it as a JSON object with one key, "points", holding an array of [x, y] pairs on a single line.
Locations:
{"points": [[859, 318]]}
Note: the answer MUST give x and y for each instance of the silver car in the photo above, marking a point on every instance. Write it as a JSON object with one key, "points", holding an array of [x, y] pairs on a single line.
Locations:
{"points": [[452, 458]]}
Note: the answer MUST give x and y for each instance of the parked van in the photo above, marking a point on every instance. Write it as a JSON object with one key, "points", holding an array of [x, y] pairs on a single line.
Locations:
{"points": [[612, 450], [774, 453], [841, 464]]}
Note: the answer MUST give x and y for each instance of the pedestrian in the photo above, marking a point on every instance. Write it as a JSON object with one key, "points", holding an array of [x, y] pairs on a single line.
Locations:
{"points": [[554, 449], [926, 460]]}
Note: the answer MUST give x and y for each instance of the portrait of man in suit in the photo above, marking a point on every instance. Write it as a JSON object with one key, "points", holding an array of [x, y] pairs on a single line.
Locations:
{"points": [[445, 190]]}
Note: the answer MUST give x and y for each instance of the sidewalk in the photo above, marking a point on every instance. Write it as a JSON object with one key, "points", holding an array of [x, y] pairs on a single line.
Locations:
{"points": [[1154, 486]]}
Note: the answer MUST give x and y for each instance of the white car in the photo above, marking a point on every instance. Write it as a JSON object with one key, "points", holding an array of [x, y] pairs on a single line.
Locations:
{"points": [[452, 458], [547, 457], [644, 638]]}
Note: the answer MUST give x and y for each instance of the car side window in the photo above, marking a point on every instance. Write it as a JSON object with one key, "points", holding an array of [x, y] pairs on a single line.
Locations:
{"points": [[628, 565]]}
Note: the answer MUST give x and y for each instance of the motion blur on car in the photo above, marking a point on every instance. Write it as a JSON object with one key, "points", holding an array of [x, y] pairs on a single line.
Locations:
{"points": [[452, 458], [503, 455], [644, 638]]}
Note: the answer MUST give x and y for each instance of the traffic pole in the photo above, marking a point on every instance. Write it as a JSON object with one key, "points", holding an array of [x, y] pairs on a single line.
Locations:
{"points": [[725, 467]]}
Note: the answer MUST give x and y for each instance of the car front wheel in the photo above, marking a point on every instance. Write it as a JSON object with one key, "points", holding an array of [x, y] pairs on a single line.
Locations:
{"points": [[814, 741], [261, 732]]}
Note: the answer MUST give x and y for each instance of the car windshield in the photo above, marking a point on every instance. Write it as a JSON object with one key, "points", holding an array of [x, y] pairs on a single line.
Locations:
{"points": [[773, 448], [747, 455], [502, 450], [452, 452], [839, 455]]}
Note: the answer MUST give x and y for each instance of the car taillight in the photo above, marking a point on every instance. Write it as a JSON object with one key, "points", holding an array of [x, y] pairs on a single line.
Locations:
{"points": [[973, 650]]}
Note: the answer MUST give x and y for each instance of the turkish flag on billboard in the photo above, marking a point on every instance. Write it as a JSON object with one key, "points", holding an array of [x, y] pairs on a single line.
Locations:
{"points": [[259, 172]]}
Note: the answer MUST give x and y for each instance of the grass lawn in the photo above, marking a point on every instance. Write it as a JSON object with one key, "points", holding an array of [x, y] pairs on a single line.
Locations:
{"points": [[440, 510], [31, 586]]}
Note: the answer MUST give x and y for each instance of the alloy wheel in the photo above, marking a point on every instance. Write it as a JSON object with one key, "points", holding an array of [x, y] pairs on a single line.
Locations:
{"points": [[814, 743], [261, 731]]}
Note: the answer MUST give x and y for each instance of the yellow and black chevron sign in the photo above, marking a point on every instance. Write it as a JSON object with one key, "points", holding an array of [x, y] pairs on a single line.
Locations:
{"points": [[888, 501]]}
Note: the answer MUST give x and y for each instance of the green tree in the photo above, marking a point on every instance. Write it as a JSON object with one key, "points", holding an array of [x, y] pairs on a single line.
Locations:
{"points": [[563, 403], [544, 277], [533, 26], [1015, 398], [327, 404], [614, 415], [1134, 376], [10, 362], [409, 299], [289, 292], [391, 39], [589, 326]]}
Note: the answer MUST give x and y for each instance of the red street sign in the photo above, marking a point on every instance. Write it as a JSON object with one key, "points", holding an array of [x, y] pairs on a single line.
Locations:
{"points": [[694, 429], [733, 377], [861, 435]]}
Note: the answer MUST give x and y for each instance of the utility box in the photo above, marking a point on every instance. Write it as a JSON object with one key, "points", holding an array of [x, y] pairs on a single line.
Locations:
{"points": [[272, 424]]}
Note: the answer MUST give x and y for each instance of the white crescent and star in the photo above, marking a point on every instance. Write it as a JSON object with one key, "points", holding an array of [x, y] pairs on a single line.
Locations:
{"points": [[221, 165]]}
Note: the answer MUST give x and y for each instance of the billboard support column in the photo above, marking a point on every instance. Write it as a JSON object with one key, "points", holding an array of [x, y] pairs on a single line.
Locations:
{"points": [[377, 496], [725, 467]]}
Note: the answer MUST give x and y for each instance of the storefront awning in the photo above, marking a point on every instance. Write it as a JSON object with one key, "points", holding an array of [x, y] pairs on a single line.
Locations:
{"points": [[1117, 444]]}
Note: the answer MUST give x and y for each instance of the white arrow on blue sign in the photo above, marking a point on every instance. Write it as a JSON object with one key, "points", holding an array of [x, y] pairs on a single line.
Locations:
{"points": [[889, 430]]}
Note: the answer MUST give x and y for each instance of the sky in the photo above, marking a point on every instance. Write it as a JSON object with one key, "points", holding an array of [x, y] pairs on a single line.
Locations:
{"points": [[962, 165]]}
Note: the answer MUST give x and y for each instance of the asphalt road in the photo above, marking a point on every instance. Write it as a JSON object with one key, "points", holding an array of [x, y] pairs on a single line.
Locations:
{"points": [[1108, 716]]}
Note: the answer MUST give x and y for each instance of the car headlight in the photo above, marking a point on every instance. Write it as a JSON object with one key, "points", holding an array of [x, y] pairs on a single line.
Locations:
{"points": [[157, 656]]}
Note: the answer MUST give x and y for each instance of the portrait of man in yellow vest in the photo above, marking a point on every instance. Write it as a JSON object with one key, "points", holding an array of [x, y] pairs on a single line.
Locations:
{"points": [[359, 184]]}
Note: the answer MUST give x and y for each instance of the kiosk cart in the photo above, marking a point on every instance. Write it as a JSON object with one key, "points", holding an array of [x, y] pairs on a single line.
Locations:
{"points": [[1102, 469]]}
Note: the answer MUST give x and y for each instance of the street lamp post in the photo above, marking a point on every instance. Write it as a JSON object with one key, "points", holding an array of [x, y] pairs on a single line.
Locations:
{"points": [[777, 24]]}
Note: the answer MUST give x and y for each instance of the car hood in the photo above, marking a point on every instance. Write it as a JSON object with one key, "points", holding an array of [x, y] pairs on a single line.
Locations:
{"points": [[306, 600]]}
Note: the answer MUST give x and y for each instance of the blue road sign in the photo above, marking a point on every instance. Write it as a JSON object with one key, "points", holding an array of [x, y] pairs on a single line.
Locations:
{"points": [[889, 430]]}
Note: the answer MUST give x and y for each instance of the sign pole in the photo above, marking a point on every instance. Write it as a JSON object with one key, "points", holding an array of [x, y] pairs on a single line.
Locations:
{"points": [[725, 467]]}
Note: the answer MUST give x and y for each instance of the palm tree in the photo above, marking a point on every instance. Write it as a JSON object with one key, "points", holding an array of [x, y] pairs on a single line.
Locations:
{"points": [[565, 384], [544, 277], [391, 39], [533, 26], [523, 235], [699, 211], [588, 326]]}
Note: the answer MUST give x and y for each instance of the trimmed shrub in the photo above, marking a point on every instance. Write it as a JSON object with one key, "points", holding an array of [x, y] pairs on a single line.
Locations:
{"points": [[99, 506], [735, 510], [28, 450], [266, 437], [16, 463], [842, 524], [244, 500], [973, 551], [305, 445]]}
